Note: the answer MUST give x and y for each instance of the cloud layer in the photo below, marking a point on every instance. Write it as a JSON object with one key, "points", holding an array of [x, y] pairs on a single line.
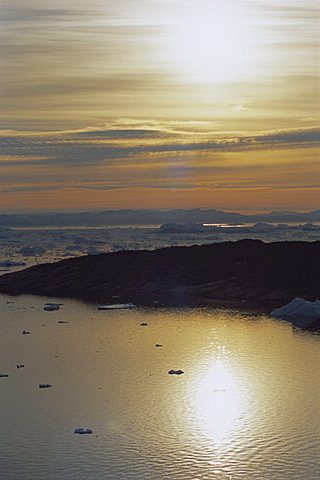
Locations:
{"points": [[130, 159], [99, 101]]}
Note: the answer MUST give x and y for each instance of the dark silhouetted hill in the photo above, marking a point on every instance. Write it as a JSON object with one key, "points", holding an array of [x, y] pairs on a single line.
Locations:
{"points": [[248, 274]]}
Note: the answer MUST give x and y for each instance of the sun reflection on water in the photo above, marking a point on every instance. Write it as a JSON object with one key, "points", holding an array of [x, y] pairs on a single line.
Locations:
{"points": [[218, 402]]}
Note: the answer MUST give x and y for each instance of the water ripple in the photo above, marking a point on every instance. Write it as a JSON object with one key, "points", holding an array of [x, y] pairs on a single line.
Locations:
{"points": [[245, 409]]}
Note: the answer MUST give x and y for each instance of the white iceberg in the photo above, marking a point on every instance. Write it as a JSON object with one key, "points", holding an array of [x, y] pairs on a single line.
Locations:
{"points": [[299, 312]]}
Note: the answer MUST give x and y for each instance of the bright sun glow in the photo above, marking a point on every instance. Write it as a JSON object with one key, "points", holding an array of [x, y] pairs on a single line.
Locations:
{"points": [[218, 403], [212, 42]]}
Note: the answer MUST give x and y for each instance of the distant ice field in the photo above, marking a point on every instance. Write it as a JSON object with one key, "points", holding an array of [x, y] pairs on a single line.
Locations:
{"points": [[29, 246]]}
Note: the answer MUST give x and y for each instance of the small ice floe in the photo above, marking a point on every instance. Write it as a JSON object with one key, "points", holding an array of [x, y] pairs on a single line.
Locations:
{"points": [[143, 324], [3, 375], [9, 264], [32, 250], [176, 372], [83, 431], [25, 332], [301, 313], [50, 307], [116, 306], [20, 365], [44, 385]]}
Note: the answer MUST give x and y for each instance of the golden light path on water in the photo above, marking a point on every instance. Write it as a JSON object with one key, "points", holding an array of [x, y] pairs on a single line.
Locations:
{"points": [[218, 402]]}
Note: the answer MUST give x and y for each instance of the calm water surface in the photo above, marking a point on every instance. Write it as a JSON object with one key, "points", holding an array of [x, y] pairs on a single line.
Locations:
{"points": [[247, 406]]}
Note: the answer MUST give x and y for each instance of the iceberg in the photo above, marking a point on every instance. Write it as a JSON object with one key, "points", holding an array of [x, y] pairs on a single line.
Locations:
{"points": [[300, 312], [190, 227]]}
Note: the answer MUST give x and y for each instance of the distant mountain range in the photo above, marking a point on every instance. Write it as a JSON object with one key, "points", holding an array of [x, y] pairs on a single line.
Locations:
{"points": [[150, 217]]}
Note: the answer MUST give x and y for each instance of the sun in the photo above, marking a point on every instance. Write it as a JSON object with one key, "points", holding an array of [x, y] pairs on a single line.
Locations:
{"points": [[212, 42]]}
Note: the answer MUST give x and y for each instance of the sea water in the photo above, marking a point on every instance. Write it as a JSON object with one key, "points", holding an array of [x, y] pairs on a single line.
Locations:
{"points": [[246, 406]]}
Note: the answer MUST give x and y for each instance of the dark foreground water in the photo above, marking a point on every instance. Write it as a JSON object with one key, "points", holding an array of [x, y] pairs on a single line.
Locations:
{"points": [[247, 406]]}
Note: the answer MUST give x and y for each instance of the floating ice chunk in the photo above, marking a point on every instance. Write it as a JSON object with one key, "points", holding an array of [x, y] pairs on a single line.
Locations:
{"points": [[50, 307], [9, 263], [83, 431], [299, 312], [116, 306], [190, 227], [32, 250]]}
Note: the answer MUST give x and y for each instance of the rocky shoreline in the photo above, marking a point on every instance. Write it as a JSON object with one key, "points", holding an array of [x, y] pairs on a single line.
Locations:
{"points": [[247, 274]]}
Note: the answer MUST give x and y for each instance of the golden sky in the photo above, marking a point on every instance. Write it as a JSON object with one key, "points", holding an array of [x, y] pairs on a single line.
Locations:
{"points": [[157, 103]]}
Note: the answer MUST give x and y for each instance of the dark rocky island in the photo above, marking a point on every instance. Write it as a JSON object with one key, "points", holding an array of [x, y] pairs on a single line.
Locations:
{"points": [[247, 274]]}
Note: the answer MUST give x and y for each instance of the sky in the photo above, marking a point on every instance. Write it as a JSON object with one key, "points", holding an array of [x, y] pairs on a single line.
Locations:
{"points": [[159, 104]]}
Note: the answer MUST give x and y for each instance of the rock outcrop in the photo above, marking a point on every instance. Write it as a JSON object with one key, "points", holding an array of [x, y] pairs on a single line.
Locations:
{"points": [[249, 274]]}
